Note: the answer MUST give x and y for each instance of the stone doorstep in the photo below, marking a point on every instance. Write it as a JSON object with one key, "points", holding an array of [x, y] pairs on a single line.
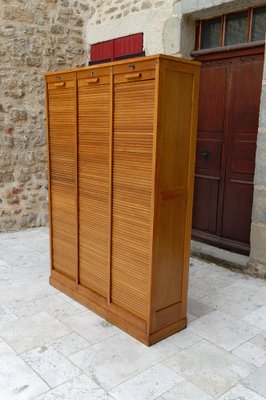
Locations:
{"points": [[227, 259], [221, 257]]}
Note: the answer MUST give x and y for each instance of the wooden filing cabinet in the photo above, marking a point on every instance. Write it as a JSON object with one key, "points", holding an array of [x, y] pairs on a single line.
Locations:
{"points": [[121, 144]]}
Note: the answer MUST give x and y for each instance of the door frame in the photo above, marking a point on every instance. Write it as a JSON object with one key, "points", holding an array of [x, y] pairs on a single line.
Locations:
{"points": [[242, 50]]}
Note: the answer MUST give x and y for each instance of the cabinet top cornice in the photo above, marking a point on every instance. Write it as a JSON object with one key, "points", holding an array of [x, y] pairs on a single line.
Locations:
{"points": [[126, 61]]}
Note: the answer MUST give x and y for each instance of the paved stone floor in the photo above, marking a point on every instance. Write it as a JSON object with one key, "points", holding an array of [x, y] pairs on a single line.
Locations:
{"points": [[53, 348]]}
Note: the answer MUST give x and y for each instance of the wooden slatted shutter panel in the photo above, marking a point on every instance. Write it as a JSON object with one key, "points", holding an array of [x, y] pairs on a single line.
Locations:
{"points": [[102, 52], [94, 181], [128, 46], [116, 49], [62, 140], [132, 194]]}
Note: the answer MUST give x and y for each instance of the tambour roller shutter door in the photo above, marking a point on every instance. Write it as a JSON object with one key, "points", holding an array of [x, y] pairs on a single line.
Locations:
{"points": [[94, 182], [121, 142], [62, 120], [133, 138]]}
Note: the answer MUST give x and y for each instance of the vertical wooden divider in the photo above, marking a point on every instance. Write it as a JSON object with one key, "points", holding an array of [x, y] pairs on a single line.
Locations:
{"points": [[249, 28], [110, 185], [49, 177], [190, 187], [77, 178], [154, 165]]}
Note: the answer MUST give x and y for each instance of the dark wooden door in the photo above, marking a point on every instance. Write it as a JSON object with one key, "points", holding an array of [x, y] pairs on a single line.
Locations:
{"points": [[226, 146]]}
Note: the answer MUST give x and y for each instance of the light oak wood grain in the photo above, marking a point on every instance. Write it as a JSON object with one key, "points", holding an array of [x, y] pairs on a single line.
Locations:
{"points": [[121, 142]]}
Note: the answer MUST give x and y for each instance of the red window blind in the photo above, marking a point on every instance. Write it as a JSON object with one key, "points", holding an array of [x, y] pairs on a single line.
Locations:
{"points": [[116, 49]]}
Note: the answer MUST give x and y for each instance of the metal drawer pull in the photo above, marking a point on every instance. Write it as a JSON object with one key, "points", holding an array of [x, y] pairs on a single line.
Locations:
{"points": [[92, 80], [134, 75], [206, 154], [60, 84]]}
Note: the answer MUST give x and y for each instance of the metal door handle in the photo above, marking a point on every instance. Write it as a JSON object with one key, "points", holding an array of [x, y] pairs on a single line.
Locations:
{"points": [[205, 154]]}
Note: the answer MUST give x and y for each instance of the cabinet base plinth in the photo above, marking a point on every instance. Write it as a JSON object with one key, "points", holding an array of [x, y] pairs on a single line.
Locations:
{"points": [[103, 310]]}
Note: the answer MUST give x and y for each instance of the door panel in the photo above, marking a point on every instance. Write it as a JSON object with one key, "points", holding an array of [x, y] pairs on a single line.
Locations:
{"points": [[205, 193], [245, 82], [209, 147], [226, 147], [212, 99], [237, 211], [243, 158]]}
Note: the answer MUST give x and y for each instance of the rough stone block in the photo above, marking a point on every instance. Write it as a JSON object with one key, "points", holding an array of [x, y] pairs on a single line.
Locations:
{"points": [[21, 14], [171, 35], [177, 7], [33, 61], [8, 178], [78, 21], [64, 3], [259, 205], [57, 29], [17, 211], [263, 108], [5, 159], [8, 224], [40, 139], [24, 177], [111, 10], [146, 5], [12, 197], [74, 49], [8, 30], [8, 141], [260, 175], [191, 6], [27, 158], [258, 241], [18, 115], [29, 220], [21, 142], [16, 93]]}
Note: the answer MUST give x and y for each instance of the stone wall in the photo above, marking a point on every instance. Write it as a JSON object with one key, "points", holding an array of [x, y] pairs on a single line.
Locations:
{"points": [[35, 36], [116, 18], [258, 228], [116, 9]]}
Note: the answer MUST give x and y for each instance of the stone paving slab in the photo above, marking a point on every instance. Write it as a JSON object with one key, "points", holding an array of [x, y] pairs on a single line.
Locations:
{"points": [[52, 348]]}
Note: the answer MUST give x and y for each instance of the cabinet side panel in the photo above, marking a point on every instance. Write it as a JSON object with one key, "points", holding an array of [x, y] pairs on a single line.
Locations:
{"points": [[94, 129], [174, 156], [132, 195], [62, 141]]}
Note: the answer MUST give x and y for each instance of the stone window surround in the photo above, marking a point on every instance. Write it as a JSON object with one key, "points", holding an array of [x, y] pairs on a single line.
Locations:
{"points": [[223, 17]]}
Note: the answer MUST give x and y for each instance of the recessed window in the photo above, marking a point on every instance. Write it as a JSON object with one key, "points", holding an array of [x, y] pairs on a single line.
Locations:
{"points": [[238, 27], [258, 24], [211, 33]]}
